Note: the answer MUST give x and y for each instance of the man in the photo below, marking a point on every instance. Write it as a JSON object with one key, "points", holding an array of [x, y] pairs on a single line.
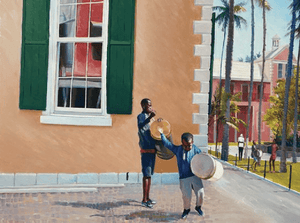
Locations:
{"points": [[148, 152], [273, 156], [241, 142], [188, 181], [256, 155]]}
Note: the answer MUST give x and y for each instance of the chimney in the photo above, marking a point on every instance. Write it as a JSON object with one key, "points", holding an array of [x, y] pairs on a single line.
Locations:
{"points": [[275, 42]]}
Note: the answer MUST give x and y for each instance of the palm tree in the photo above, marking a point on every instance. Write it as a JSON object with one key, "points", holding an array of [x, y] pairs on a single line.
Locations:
{"points": [[265, 6], [224, 154], [223, 20], [296, 107], [297, 33], [287, 89], [252, 64]]}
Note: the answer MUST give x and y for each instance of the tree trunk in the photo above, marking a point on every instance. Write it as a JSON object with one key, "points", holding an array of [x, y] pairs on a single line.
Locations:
{"points": [[224, 155], [251, 75], [262, 75], [296, 109], [286, 94]]}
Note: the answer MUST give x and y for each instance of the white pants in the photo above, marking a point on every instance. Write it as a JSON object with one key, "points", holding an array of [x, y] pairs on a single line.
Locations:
{"points": [[186, 187]]}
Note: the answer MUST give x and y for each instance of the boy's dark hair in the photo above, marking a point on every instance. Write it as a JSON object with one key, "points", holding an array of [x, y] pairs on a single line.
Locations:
{"points": [[187, 136], [145, 101]]}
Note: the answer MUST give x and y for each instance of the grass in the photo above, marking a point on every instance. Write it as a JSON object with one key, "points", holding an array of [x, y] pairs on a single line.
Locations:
{"points": [[277, 177]]}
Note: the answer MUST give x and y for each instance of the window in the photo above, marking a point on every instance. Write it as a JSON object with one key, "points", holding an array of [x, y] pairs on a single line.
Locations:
{"points": [[78, 37], [245, 92], [258, 92], [279, 74], [232, 88], [76, 60]]}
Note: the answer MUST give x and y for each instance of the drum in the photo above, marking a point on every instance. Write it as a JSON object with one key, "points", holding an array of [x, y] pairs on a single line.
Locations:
{"points": [[162, 151], [258, 153], [164, 124], [206, 168]]}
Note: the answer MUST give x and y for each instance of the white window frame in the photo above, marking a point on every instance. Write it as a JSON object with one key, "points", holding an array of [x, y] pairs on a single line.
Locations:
{"points": [[82, 117]]}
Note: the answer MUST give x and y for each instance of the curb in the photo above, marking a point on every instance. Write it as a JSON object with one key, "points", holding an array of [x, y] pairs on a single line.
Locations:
{"points": [[259, 177], [23, 181], [58, 188]]}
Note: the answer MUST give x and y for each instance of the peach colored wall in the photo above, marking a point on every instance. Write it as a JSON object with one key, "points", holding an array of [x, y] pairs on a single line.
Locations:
{"points": [[163, 71]]}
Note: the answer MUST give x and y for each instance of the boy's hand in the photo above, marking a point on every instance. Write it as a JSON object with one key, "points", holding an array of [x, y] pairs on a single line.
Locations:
{"points": [[152, 114], [160, 129]]}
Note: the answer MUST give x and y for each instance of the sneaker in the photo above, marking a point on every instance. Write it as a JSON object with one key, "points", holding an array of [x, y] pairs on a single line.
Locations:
{"points": [[185, 213], [152, 201], [198, 209], [147, 204]]}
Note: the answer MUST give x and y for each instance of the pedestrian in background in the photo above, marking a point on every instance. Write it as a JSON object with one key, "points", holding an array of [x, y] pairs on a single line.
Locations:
{"points": [[241, 142], [273, 156]]}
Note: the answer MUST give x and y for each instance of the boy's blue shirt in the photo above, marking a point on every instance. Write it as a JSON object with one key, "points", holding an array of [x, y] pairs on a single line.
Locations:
{"points": [[183, 161], [146, 141]]}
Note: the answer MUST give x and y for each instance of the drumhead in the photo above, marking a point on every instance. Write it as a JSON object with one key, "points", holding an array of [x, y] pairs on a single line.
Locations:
{"points": [[203, 166], [164, 124], [218, 173]]}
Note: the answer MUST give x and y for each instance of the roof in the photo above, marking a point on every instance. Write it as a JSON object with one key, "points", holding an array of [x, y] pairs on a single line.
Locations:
{"points": [[273, 53], [240, 71]]}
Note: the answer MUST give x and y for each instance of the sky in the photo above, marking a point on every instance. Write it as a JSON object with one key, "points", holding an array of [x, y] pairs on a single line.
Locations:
{"points": [[277, 23]]}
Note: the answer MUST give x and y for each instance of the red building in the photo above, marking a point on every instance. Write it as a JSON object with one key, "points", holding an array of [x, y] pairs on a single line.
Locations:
{"points": [[275, 68]]}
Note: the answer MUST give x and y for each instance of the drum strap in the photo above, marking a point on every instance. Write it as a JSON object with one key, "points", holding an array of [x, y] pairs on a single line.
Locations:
{"points": [[148, 150]]}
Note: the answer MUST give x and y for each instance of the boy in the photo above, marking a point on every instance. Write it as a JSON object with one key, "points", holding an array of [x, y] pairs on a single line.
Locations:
{"points": [[188, 181], [148, 152]]}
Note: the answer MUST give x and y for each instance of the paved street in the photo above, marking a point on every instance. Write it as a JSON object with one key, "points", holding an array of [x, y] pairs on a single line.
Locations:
{"points": [[236, 197]]}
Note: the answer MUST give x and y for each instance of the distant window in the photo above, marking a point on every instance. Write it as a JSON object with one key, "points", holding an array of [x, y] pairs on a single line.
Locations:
{"points": [[258, 92], [245, 92], [232, 88], [279, 75]]}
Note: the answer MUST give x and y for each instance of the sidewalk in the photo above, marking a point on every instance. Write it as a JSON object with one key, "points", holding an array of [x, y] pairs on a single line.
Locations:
{"points": [[233, 150], [237, 197]]}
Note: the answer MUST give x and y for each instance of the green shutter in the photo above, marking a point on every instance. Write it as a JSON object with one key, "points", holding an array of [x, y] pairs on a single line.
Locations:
{"points": [[34, 55], [120, 56]]}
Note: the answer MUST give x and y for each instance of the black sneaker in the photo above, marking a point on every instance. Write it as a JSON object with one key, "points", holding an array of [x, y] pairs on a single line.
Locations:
{"points": [[198, 209], [185, 213], [152, 201], [147, 204]]}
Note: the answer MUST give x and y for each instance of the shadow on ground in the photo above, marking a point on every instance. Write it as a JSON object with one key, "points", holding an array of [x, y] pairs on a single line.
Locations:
{"points": [[154, 216], [97, 206]]}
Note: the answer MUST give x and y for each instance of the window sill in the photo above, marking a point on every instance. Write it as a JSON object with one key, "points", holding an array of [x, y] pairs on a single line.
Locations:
{"points": [[79, 120]]}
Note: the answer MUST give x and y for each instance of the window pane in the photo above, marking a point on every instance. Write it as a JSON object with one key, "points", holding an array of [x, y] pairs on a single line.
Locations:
{"points": [[63, 99], [95, 60], [280, 70], [244, 92], [67, 1], [96, 20], [94, 93], [80, 59], [82, 20], [67, 21], [65, 59], [83, 1], [78, 93]]}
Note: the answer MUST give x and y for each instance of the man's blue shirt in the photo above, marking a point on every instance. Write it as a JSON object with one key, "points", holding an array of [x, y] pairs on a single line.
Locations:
{"points": [[146, 141], [184, 158]]}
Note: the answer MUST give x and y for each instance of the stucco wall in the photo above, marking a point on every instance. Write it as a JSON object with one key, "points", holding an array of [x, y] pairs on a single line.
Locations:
{"points": [[163, 71]]}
